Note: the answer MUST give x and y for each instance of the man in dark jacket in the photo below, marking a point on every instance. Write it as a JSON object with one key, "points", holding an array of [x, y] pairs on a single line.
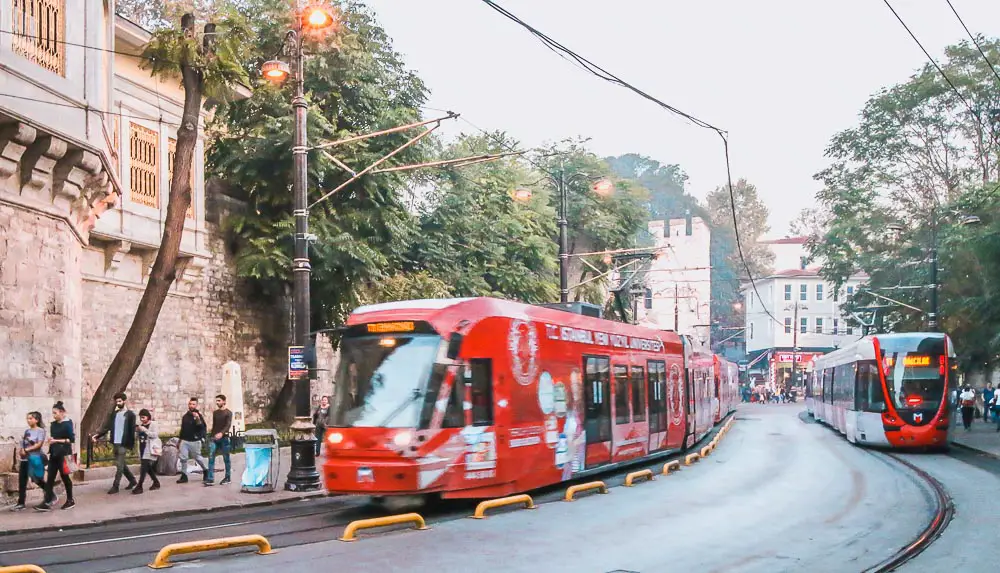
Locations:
{"points": [[192, 433], [121, 425]]}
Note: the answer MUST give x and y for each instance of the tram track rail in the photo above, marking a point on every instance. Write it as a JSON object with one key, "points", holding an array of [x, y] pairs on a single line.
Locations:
{"points": [[944, 512]]}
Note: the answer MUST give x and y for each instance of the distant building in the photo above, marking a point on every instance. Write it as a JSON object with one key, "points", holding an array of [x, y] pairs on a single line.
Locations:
{"points": [[807, 319], [678, 286]]}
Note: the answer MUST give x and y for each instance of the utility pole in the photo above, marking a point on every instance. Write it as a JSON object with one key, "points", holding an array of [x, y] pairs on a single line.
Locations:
{"points": [[795, 341], [563, 239], [932, 317], [677, 310]]}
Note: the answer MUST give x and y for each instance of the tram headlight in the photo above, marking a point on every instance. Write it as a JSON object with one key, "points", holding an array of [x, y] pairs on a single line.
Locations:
{"points": [[403, 439], [335, 438]]}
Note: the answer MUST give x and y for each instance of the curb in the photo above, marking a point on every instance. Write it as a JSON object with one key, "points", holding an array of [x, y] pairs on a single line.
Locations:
{"points": [[158, 516], [975, 450]]}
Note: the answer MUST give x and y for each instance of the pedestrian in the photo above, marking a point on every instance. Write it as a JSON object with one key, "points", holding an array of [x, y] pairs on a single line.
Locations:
{"points": [[994, 407], [222, 421], [150, 448], [121, 425], [32, 460], [192, 433], [988, 393], [319, 420], [968, 401], [60, 441]]}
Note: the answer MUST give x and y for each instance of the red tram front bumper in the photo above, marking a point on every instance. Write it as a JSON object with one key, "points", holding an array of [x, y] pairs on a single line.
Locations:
{"points": [[934, 434]]}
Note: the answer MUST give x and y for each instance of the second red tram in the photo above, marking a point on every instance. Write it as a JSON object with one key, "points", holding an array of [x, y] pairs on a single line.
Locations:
{"points": [[887, 390], [475, 398]]}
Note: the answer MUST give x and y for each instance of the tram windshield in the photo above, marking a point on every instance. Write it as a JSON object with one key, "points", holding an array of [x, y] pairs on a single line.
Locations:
{"points": [[915, 376], [382, 380]]}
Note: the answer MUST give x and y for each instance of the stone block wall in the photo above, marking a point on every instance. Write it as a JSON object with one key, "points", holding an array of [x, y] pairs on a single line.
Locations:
{"points": [[40, 317]]}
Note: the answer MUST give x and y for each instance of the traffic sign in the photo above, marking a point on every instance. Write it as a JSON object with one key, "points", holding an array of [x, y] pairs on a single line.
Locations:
{"points": [[297, 367]]}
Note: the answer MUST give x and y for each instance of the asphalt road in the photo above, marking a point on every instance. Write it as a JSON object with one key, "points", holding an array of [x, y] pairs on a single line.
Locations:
{"points": [[777, 495]]}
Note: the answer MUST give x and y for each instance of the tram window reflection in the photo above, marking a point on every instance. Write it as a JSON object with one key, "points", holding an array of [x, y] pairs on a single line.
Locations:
{"points": [[621, 395]]}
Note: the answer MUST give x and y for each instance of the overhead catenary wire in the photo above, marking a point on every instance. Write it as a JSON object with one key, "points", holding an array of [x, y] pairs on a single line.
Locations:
{"points": [[975, 42], [605, 75]]}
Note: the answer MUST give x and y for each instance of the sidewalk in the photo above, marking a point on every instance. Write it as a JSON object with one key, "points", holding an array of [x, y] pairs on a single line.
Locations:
{"points": [[983, 436], [94, 505]]}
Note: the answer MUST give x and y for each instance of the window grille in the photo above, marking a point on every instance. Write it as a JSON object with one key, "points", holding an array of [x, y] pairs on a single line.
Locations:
{"points": [[144, 167], [38, 33]]}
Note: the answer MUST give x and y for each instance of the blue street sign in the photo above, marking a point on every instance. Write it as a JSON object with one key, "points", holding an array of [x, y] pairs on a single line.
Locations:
{"points": [[297, 367]]}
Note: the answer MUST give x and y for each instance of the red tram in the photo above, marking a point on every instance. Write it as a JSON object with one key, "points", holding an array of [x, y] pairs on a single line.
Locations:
{"points": [[475, 398], [889, 390]]}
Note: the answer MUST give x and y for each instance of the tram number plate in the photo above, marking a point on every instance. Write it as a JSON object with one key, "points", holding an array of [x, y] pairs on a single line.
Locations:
{"points": [[366, 475]]}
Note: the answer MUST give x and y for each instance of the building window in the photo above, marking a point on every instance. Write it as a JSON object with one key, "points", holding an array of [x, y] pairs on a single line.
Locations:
{"points": [[144, 167], [819, 291], [751, 331], [803, 292], [819, 326], [788, 292], [688, 224], [836, 294], [788, 325], [171, 153], [648, 299], [39, 33], [850, 292], [850, 329], [802, 262], [803, 325]]}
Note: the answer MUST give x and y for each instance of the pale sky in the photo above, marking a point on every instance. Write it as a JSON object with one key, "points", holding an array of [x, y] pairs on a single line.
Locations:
{"points": [[782, 76]]}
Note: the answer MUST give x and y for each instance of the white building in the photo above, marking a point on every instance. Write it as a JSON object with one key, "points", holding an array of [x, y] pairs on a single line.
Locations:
{"points": [[805, 314], [678, 285]]}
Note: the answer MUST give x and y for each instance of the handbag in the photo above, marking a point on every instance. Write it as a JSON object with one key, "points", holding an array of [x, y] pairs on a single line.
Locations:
{"points": [[70, 465], [156, 447], [36, 466]]}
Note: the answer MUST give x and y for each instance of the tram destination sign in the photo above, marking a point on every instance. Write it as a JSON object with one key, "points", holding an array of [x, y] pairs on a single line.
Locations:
{"points": [[583, 336]]}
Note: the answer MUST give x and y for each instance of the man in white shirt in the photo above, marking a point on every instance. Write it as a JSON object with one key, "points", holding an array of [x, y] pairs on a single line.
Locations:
{"points": [[967, 399]]}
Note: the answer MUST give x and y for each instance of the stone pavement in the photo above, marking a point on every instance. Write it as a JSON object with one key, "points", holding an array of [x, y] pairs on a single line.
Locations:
{"points": [[94, 506], [983, 437]]}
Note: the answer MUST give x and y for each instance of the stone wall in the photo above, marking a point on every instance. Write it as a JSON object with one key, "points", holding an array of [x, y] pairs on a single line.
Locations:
{"points": [[40, 312]]}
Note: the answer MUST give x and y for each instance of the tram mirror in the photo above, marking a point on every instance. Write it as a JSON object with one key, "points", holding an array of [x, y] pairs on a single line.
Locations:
{"points": [[454, 345]]}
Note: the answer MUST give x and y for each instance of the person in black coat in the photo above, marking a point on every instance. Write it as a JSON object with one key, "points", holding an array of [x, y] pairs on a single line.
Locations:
{"points": [[61, 438]]}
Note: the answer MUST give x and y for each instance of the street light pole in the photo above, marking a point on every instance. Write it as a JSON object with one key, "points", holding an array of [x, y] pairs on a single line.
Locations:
{"points": [[795, 341], [932, 317], [563, 239]]}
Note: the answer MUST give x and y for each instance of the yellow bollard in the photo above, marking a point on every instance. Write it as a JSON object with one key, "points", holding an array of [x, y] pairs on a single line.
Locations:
{"points": [[354, 526], [500, 502], [162, 559], [21, 569], [573, 490], [674, 465], [630, 478], [691, 458]]}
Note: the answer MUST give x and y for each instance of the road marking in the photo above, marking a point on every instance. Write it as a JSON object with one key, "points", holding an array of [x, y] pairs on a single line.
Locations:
{"points": [[130, 538]]}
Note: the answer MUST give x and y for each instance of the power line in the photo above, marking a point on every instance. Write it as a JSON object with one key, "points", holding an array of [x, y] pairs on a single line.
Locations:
{"points": [[610, 77], [90, 109], [974, 41]]}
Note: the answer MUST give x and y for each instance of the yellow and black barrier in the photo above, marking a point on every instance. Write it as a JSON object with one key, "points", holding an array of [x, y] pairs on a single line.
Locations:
{"points": [[674, 465], [630, 478], [573, 490], [501, 502], [691, 458], [706, 450], [21, 569], [162, 560], [354, 526]]}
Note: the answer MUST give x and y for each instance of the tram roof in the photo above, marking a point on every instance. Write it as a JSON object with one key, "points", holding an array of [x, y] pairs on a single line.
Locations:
{"points": [[448, 312]]}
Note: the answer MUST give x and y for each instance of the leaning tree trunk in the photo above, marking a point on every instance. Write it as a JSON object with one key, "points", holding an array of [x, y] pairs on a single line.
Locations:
{"points": [[163, 273]]}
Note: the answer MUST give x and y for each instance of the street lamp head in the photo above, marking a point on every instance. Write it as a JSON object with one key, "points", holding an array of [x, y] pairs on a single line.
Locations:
{"points": [[969, 220], [604, 187], [275, 71], [521, 195], [317, 17]]}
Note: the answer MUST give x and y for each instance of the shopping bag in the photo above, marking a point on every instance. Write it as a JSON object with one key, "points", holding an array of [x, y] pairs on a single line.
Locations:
{"points": [[70, 465]]}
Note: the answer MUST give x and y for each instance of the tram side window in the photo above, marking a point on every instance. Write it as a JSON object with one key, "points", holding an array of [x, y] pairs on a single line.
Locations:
{"points": [[870, 396], [454, 414], [481, 386], [657, 394], [621, 395], [638, 394], [596, 388], [828, 385]]}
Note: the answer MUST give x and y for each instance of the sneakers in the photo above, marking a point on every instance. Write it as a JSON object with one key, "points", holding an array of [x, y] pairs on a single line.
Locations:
{"points": [[44, 506], [70, 504], [113, 490], [18, 507], [137, 490], [225, 481], [154, 487], [183, 479], [131, 485], [209, 483]]}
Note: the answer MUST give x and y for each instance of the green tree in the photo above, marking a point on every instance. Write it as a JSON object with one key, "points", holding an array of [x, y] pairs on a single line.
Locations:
{"points": [[665, 184], [206, 67]]}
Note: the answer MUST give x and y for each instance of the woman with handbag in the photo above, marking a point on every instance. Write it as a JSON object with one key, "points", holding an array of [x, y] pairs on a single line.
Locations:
{"points": [[61, 438], [32, 460], [150, 448]]}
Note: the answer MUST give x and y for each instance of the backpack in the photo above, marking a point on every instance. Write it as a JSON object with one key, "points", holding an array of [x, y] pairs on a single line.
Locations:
{"points": [[166, 465]]}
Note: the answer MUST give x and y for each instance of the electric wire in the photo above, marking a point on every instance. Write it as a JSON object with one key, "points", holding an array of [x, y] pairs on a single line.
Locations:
{"points": [[975, 42], [91, 109], [604, 74]]}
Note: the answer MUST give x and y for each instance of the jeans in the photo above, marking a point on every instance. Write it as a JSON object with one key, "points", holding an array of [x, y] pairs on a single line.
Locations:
{"points": [[56, 466], [189, 450], [121, 466], [223, 445]]}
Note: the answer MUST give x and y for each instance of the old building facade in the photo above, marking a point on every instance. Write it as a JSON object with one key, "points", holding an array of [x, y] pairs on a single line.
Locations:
{"points": [[86, 152]]}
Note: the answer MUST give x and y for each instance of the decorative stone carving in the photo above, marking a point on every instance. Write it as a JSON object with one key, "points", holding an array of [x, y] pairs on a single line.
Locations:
{"points": [[69, 179], [189, 272], [39, 161], [114, 254], [14, 141]]}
